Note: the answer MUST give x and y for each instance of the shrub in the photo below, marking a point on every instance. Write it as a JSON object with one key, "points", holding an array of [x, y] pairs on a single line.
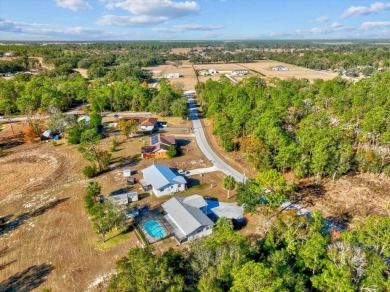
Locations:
{"points": [[89, 171], [172, 152], [114, 144]]}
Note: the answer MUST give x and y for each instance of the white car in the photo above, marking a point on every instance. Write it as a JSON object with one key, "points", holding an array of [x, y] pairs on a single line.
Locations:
{"points": [[1, 117]]}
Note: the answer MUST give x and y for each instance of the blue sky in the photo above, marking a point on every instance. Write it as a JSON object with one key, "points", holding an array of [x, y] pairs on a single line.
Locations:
{"points": [[192, 20]]}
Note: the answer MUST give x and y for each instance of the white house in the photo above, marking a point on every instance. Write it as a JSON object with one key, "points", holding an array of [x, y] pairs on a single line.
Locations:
{"points": [[279, 68], [147, 124], [239, 72], [172, 75], [163, 180], [186, 217]]}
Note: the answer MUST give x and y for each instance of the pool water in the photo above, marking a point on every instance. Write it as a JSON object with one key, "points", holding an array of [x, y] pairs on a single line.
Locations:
{"points": [[154, 229]]}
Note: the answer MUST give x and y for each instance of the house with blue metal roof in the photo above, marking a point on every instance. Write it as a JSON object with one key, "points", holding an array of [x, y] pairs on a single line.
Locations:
{"points": [[163, 180]]}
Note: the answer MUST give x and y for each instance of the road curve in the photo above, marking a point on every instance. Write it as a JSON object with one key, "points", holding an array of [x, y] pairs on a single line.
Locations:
{"points": [[204, 145]]}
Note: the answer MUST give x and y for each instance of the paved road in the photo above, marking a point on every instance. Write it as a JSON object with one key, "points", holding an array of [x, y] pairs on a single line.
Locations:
{"points": [[77, 109], [205, 147]]}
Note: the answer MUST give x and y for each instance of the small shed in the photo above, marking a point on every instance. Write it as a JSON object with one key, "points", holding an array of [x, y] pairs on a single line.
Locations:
{"points": [[130, 181], [133, 196], [126, 172], [124, 199]]}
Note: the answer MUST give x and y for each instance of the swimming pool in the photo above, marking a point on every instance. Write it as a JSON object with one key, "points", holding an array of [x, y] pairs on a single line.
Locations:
{"points": [[154, 229]]}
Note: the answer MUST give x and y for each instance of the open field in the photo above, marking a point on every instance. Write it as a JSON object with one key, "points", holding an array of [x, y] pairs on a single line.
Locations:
{"points": [[49, 241], [264, 67], [187, 75], [188, 78], [180, 50]]}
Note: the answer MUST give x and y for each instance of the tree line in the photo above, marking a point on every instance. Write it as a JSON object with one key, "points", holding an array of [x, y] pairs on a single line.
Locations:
{"points": [[50, 93], [326, 128], [295, 254]]}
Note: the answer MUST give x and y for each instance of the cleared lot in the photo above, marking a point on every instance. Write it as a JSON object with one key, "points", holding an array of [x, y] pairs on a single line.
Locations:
{"points": [[49, 241]]}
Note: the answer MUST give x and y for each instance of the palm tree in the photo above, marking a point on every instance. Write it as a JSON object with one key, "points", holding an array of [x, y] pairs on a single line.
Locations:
{"points": [[229, 184]]}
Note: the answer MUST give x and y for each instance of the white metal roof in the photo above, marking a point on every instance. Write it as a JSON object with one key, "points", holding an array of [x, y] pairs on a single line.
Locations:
{"points": [[160, 176]]}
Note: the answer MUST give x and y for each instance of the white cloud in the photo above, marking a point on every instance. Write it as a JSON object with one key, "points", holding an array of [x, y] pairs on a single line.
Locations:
{"points": [[9, 26], [374, 24], [188, 27], [49, 31], [336, 25], [140, 20], [316, 30], [148, 12], [74, 5], [366, 10], [323, 18]]}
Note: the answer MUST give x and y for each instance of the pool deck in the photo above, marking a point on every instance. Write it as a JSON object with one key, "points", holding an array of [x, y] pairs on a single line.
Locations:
{"points": [[156, 216]]}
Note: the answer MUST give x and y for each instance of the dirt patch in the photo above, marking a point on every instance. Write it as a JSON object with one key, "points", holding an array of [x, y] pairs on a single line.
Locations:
{"points": [[20, 172], [350, 197], [83, 72], [180, 50]]}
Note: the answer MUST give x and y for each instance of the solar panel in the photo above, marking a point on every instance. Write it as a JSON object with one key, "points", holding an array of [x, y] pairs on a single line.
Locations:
{"points": [[154, 140]]}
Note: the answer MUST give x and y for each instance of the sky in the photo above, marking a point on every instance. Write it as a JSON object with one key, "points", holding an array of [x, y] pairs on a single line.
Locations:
{"points": [[107, 20]]}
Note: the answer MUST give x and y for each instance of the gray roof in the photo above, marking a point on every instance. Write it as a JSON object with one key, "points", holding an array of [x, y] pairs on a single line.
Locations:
{"points": [[228, 210], [186, 217], [160, 176], [194, 201]]}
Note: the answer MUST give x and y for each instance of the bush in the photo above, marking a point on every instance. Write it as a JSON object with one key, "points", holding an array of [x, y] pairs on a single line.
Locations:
{"points": [[89, 171], [172, 152], [114, 144]]}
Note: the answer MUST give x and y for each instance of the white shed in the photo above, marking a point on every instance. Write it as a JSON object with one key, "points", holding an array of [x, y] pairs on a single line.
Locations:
{"points": [[126, 172]]}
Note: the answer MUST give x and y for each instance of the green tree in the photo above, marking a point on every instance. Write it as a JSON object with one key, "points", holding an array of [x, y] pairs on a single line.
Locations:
{"points": [[88, 146], [127, 127], [108, 217], [143, 271], [256, 277], [179, 108], [229, 183], [58, 123], [172, 151], [248, 195], [93, 189], [95, 120]]}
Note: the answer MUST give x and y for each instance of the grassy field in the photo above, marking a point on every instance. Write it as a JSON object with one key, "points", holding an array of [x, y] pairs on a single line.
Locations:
{"points": [[49, 232]]}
